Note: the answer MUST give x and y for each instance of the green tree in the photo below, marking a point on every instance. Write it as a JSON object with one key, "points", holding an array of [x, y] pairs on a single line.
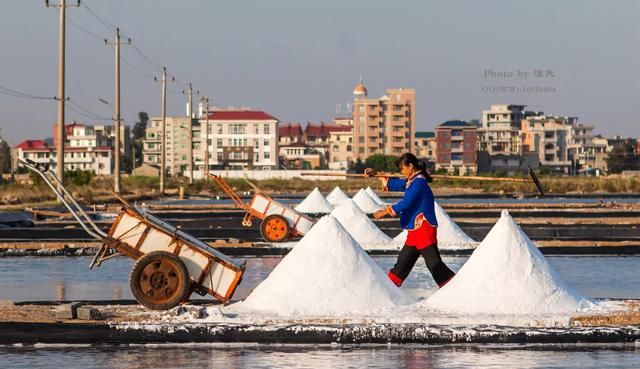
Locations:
{"points": [[5, 157], [138, 133], [382, 163], [623, 157]]}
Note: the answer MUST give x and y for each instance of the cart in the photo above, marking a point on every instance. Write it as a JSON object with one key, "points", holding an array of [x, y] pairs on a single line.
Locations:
{"points": [[170, 264], [279, 222]]}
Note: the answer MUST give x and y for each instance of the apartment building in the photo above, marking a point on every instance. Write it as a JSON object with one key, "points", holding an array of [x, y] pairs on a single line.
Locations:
{"points": [[424, 145], [97, 159], [385, 125], [177, 141], [237, 139], [500, 131], [456, 143]]}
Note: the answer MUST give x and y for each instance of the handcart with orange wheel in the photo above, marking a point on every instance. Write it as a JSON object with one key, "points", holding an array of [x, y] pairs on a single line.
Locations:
{"points": [[279, 222]]}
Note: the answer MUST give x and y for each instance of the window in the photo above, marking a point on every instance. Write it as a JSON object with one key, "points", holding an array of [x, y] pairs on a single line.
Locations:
{"points": [[256, 129], [256, 144], [266, 142], [361, 118], [237, 129], [219, 142], [266, 155], [456, 156], [361, 108], [266, 129], [219, 127], [398, 97]]}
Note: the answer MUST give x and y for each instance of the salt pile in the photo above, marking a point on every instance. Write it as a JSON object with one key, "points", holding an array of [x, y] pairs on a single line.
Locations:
{"points": [[336, 196], [375, 197], [365, 202], [358, 224], [327, 273], [450, 235], [314, 203], [507, 274]]}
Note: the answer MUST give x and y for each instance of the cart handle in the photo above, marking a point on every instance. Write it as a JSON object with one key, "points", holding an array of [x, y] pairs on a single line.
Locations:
{"points": [[229, 191], [43, 170]]}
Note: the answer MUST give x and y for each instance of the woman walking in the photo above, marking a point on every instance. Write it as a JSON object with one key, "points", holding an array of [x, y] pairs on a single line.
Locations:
{"points": [[417, 216]]}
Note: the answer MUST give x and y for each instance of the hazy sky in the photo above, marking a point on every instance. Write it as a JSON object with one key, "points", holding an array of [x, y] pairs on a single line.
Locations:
{"points": [[298, 59]]}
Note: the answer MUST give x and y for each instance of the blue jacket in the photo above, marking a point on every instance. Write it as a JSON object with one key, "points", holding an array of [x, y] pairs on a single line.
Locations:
{"points": [[418, 199]]}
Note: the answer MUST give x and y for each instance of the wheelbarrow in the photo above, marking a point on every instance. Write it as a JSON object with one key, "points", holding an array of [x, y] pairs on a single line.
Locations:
{"points": [[169, 264], [279, 222]]}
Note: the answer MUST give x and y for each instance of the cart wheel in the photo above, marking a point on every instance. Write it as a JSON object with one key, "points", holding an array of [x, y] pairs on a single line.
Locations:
{"points": [[274, 228], [159, 280]]}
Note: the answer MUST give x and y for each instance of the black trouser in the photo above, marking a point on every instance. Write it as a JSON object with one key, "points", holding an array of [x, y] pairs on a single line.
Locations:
{"points": [[408, 257]]}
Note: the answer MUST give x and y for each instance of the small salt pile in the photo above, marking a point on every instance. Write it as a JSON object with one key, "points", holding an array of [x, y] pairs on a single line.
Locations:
{"points": [[450, 235], [314, 203], [507, 274], [336, 196], [327, 273], [358, 224], [365, 202], [375, 197]]}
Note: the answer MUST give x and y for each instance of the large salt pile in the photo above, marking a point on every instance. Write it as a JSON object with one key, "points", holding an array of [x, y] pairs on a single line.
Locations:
{"points": [[507, 274], [365, 202], [327, 273], [375, 197], [450, 235], [336, 196], [358, 224], [314, 203]]}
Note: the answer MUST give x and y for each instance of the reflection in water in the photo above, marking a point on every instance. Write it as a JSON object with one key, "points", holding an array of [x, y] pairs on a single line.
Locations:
{"points": [[116, 292], [310, 356], [60, 291]]}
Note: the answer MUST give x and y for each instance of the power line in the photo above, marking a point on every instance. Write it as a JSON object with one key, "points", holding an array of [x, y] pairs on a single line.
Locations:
{"points": [[108, 25], [24, 95], [136, 69], [148, 60], [82, 29], [85, 112]]}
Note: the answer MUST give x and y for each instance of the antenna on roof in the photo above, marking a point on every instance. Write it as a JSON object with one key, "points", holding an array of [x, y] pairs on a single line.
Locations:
{"points": [[361, 79], [348, 108], [338, 109]]}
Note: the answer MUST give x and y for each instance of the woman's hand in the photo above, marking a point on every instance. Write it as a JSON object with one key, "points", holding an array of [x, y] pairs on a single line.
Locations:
{"points": [[380, 214], [369, 172]]}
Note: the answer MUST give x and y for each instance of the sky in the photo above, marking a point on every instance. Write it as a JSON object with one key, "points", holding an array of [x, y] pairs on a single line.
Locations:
{"points": [[298, 59]]}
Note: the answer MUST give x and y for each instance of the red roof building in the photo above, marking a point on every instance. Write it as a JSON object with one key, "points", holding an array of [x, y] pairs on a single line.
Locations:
{"points": [[243, 115], [289, 133]]}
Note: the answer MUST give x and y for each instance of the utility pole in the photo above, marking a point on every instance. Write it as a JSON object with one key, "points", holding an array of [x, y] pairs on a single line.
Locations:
{"points": [[189, 127], [61, 93], [163, 158], [163, 154], [116, 110], [206, 138]]}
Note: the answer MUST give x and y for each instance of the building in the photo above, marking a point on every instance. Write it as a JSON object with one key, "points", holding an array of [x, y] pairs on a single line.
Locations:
{"points": [[80, 135], [424, 145], [237, 139], [96, 159], [178, 145], [507, 164], [385, 125], [289, 133], [297, 155], [500, 131], [341, 155], [456, 143], [562, 144]]}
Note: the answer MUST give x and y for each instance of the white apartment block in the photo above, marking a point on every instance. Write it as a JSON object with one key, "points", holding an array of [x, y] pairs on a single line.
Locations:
{"points": [[500, 131], [178, 145], [96, 159]]}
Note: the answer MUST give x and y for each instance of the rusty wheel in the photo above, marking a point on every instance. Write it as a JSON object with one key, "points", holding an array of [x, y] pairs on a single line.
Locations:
{"points": [[274, 228], [159, 280]]}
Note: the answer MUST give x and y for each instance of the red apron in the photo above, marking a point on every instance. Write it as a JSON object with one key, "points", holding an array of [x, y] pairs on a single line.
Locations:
{"points": [[422, 235]]}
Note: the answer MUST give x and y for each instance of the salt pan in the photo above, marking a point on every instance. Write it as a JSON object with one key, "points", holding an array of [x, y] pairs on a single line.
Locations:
{"points": [[327, 273], [314, 203], [336, 196], [507, 274], [375, 197], [450, 235], [365, 202], [358, 224]]}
